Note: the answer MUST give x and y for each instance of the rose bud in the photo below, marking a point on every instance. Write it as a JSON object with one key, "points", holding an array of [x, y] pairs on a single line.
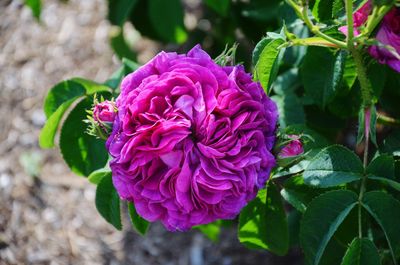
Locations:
{"points": [[293, 148], [104, 112]]}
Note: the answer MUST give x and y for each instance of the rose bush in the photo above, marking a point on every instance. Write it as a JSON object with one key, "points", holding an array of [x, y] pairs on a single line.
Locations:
{"points": [[388, 34], [192, 140]]}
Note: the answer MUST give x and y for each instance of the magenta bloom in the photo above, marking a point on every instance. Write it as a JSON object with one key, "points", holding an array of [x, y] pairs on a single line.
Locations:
{"points": [[293, 148], [191, 142], [359, 18], [388, 34], [104, 112]]}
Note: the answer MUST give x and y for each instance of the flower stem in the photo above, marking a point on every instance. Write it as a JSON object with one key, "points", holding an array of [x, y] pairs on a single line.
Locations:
{"points": [[362, 77], [350, 24], [312, 41], [302, 12], [315, 29], [366, 99]]}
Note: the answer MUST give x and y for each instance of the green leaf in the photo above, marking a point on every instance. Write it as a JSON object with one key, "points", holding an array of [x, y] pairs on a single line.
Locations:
{"points": [[382, 166], [58, 101], [350, 74], [119, 44], [35, 6], [68, 89], [219, 6], [298, 194], [48, 132], [320, 221], [119, 10], [266, 58], [377, 75], [391, 144], [116, 78], [361, 252], [265, 12], [383, 2], [338, 8], [334, 165], [386, 211], [140, 224], [167, 19], [128, 66], [82, 152], [263, 223], [322, 9], [96, 176], [287, 82], [108, 202], [290, 109], [294, 218], [322, 73], [211, 230]]}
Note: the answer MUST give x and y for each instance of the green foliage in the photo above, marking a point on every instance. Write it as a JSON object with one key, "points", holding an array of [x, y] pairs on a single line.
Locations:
{"points": [[140, 224], [361, 252], [386, 211], [211, 230], [322, 9], [119, 10], [263, 223], [167, 19], [59, 100], [219, 6], [266, 58], [82, 152], [35, 6], [318, 89], [320, 221], [298, 194], [119, 45], [108, 202], [334, 165], [321, 87], [96, 176], [289, 104], [392, 143]]}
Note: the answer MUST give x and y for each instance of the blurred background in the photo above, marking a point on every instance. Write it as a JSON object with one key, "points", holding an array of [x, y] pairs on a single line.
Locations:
{"points": [[47, 214]]}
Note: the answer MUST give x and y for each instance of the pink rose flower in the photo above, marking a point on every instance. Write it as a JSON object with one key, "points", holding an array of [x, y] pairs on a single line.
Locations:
{"points": [[192, 140], [293, 148], [104, 112], [388, 34], [359, 18]]}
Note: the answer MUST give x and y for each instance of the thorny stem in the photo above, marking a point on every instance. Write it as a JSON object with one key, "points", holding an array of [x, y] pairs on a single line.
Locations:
{"points": [[350, 24], [367, 101]]}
